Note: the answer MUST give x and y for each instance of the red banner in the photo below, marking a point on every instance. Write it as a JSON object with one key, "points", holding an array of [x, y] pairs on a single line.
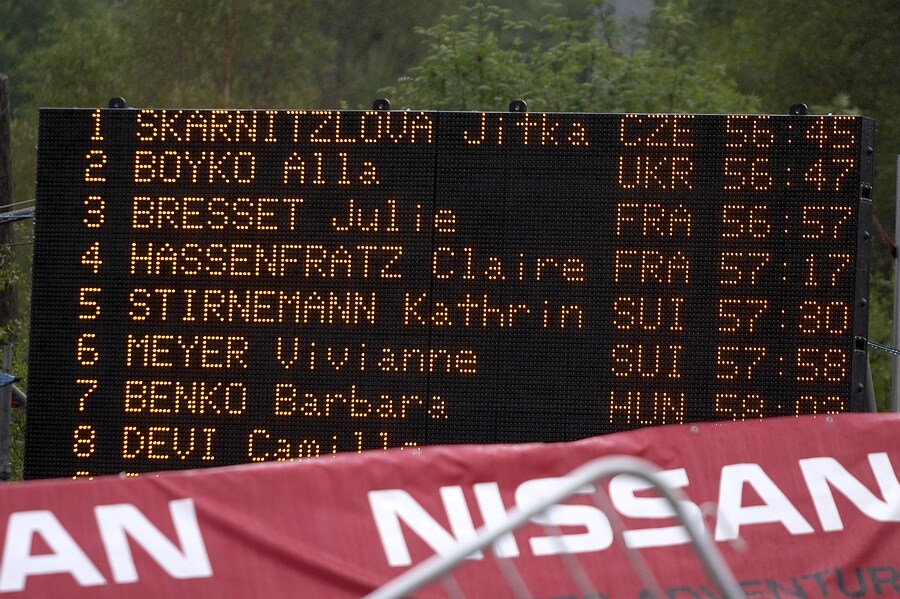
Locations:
{"points": [[799, 507]]}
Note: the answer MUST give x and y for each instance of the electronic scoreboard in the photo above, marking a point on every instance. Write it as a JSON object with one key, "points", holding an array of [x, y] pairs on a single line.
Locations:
{"points": [[215, 287]]}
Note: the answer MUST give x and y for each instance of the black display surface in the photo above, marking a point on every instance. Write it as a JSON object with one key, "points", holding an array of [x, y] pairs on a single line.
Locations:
{"points": [[215, 287]]}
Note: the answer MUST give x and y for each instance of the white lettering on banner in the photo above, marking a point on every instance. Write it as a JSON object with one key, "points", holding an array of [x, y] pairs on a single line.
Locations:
{"points": [[65, 555], [490, 503], [819, 472], [775, 507], [623, 494], [598, 537], [116, 523], [390, 507]]}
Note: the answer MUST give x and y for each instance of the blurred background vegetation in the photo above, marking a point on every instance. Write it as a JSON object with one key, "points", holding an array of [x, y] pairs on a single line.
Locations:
{"points": [[710, 56]]}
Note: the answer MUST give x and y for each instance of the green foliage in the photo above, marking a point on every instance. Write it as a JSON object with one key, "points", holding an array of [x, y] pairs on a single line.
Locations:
{"points": [[481, 58], [24, 142], [201, 52], [807, 50], [73, 73], [472, 63], [215, 53], [373, 45], [23, 30], [880, 327]]}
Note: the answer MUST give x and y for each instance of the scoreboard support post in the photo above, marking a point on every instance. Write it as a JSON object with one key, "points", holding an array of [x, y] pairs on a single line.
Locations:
{"points": [[895, 372]]}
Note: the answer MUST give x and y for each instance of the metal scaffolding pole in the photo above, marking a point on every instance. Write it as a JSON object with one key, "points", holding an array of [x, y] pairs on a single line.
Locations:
{"points": [[895, 373]]}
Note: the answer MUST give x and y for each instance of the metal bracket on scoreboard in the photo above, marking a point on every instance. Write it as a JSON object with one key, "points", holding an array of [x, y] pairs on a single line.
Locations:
{"points": [[518, 106]]}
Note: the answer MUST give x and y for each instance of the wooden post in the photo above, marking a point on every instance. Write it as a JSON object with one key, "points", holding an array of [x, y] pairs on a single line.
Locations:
{"points": [[7, 292], [8, 297]]}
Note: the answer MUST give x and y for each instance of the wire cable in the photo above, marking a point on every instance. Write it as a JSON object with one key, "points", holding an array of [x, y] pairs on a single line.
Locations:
{"points": [[885, 348]]}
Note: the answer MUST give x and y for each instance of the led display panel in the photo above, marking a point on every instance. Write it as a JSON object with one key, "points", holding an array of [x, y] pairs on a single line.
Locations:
{"points": [[215, 287]]}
